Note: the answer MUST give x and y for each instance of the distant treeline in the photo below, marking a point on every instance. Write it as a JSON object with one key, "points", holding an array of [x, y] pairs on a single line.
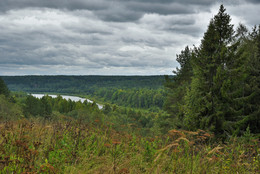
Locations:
{"points": [[72, 84], [133, 91]]}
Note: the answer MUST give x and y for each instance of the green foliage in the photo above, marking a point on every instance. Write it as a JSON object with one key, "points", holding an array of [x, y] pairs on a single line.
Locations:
{"points": [[211, 65], [107, 109], [80, 84], [34, 106], [149, 151], [73, 146], [9, 110], [217, 85], [130, 91], [3, 88], [76, 137], [135, 98], [177, 87], [251, 87]]}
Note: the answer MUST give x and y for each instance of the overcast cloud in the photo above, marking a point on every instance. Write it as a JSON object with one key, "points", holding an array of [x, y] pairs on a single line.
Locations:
{"points": [[106, 37]]}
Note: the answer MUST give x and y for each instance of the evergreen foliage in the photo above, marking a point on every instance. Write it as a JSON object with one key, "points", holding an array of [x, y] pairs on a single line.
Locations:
{"points": [[219, 90], [210, 65], [251, 88], [177, 87]]}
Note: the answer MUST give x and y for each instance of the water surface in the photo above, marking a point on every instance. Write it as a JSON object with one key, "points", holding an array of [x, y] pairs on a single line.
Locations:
{"points": [[67, 97]]}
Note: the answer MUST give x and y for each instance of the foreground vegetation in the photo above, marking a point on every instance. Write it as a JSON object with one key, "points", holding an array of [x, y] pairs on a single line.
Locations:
{"points": [[53, 135], [72, 146]]}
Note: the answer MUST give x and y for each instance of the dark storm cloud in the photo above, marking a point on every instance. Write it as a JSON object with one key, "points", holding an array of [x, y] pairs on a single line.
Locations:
{"points": [[105, 36], [159, 8], [58, 4], [118, 14], [201, 2], [116, 10], [113, 10], [254, 1]]}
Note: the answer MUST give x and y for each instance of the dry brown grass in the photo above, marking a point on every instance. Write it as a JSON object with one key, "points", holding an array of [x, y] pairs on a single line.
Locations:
{"points": [[71, 146]]}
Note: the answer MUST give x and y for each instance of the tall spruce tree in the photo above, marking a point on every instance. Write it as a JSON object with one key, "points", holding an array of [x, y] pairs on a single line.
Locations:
{"points": [[206, 107]]}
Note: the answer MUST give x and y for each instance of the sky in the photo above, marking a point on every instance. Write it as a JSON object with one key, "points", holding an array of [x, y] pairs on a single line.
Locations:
{"points": [[106, 37]]}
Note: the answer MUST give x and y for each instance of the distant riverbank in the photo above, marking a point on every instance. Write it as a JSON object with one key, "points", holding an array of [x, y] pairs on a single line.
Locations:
{"points": [[67, 97]]}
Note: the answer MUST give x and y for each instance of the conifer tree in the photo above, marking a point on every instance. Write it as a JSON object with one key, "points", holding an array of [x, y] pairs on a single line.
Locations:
{"points": [[205, 103], [46, 107], [250, 116]]}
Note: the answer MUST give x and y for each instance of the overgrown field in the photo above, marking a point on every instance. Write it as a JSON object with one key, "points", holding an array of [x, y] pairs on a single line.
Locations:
{"points": [[74, 146]]}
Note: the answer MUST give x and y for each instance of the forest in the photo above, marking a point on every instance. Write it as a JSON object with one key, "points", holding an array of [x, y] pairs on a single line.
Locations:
{"points": [[217, 86], [205, 118], [132, 91]]}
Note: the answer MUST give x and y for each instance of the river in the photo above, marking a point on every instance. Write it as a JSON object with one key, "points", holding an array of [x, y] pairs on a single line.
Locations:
{"points": [[67, 97]]}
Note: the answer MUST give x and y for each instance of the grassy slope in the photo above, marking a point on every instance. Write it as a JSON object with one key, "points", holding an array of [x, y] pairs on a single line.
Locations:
{"points": [[71, 146]]}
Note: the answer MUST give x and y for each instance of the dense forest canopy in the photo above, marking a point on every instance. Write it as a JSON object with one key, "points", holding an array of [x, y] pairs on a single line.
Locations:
{"points": [[70, 84], [217, 86]]}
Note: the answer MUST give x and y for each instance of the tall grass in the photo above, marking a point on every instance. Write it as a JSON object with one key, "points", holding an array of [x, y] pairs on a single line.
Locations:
{"points": [[74, 146]]}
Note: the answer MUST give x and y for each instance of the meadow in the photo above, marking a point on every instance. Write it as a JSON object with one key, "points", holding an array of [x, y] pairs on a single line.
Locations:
{"points": [[67, 145]]}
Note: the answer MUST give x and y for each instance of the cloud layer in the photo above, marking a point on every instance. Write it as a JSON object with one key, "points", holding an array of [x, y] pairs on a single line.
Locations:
{"points": [[120, 37]]}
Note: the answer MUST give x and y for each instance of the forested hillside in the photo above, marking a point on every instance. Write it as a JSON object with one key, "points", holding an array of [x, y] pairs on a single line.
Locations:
{"points": [[74, 84], [132, 91]]}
